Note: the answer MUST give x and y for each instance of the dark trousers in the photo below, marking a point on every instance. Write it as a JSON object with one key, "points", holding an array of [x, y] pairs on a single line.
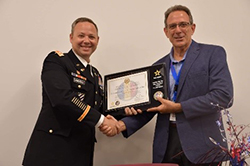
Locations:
{"points": [[174, 152]]}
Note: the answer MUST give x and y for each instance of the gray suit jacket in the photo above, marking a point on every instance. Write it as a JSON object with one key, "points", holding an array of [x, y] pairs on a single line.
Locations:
{"points": [[204, 79]]}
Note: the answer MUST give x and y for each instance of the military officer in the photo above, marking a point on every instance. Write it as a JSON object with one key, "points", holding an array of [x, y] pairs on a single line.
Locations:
{"points": [[72, 94]]}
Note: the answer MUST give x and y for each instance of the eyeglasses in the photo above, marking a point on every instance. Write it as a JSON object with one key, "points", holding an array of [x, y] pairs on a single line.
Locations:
{"points": [[182, 25]]}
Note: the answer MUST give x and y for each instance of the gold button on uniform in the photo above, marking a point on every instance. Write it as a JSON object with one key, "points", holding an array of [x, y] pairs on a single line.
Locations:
{"points": [[96, 92], [79, 86], [95, 102], [50, 131]]}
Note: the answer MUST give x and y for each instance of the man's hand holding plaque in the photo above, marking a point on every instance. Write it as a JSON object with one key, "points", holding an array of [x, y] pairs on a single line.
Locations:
{"points": [[167, 106]]}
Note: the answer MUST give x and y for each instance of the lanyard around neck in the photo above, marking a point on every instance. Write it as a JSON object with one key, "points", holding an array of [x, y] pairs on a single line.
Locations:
{"points": [[176, 78]]}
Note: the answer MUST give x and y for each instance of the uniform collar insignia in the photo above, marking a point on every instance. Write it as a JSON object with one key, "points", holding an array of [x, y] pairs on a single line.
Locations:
{"points": [[59, 53]]}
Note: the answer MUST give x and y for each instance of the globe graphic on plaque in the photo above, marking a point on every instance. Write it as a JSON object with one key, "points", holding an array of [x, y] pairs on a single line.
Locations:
{"points": [[127, 90]]}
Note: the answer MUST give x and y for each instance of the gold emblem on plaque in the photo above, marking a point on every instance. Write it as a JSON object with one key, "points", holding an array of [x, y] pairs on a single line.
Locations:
{"points": [[157, 73]]}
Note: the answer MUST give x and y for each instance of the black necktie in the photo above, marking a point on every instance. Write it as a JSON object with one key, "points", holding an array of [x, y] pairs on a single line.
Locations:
{"points": [[89, 68]]}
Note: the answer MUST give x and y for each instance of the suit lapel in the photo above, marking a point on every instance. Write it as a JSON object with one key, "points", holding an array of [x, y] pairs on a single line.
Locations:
{"points": [[192, 54]]}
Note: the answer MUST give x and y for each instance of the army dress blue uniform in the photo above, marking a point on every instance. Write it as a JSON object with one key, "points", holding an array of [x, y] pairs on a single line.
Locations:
{"points": [[64, 134]]}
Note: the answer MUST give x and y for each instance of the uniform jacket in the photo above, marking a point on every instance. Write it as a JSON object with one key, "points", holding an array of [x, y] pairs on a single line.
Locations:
{"points": [[204, 79], [72, 95]]}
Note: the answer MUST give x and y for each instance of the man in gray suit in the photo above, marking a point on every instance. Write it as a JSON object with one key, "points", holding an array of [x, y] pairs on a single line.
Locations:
{"points": [[197, 75]]}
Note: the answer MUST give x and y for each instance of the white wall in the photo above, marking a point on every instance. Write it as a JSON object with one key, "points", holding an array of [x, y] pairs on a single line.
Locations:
{"points": [[131, 36]]}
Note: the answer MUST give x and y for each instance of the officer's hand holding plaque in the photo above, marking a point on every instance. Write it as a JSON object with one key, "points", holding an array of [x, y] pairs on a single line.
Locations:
{"points": [[136, 88]]}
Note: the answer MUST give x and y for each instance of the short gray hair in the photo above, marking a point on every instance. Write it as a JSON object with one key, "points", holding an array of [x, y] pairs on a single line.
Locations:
{"points": [[178, 8]]}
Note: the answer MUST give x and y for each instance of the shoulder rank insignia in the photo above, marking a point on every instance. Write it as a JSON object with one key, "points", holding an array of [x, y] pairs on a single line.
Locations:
{"points": [[59, 53]]}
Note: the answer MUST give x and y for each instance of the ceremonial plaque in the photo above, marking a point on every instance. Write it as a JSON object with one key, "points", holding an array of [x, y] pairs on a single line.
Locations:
{"points": [[136, 88]]}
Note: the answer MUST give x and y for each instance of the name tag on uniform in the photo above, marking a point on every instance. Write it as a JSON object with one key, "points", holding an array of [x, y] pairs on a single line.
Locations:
{"points": [[79, 81]]}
